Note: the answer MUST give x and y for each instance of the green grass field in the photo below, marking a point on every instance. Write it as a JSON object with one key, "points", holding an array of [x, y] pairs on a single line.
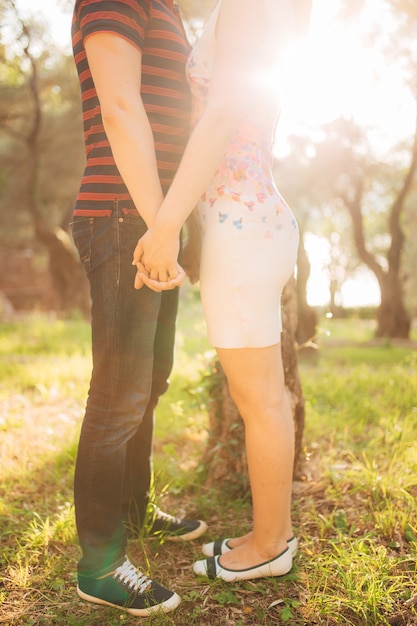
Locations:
{"points": [[355, 495]]}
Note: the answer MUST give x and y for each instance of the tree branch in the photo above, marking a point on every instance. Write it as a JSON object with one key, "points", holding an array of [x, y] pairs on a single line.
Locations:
{"points": [[32, 136], [397, 235], [354, 207]]}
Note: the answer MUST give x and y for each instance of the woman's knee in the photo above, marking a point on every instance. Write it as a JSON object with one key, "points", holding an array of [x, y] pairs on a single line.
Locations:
{"points": [[255, 399]]}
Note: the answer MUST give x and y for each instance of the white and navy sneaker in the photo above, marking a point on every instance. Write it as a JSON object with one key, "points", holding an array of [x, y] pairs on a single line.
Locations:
{"points": [[172, 528], [127, 588]]}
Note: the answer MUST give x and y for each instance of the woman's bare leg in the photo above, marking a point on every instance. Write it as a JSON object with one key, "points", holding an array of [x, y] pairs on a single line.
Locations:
{"points": [[256, 383]]}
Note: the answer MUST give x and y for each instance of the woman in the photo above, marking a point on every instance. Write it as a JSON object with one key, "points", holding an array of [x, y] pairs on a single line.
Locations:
{"points": [[249, 249]]}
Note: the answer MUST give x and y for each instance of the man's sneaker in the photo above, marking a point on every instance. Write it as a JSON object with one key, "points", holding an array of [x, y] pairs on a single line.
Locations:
{"points": [[175, 529], [127, 588]]}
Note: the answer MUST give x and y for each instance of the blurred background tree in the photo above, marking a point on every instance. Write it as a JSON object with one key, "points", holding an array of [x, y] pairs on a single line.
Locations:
{"points": [[348, 172], [41, 159]]}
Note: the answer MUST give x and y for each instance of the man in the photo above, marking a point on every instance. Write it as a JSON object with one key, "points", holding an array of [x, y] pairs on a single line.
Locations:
{"points": [[130, 57]]}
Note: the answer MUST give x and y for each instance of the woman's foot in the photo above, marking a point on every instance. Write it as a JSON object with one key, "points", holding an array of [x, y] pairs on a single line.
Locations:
{"points": [[234, 569], [215, 548]]}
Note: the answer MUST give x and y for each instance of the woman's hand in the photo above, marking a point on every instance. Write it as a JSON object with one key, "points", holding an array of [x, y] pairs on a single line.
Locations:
{"points": [[155, 258]]}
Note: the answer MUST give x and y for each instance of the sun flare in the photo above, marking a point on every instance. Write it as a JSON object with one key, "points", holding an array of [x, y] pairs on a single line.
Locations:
{"points": [[340, 72]]}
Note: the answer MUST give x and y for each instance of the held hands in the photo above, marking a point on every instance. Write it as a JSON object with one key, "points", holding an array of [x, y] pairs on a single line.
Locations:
{"points": [[155, 258]]}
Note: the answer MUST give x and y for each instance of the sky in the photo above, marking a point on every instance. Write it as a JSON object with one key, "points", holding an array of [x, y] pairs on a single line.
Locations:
{"points": [[338, 76]]}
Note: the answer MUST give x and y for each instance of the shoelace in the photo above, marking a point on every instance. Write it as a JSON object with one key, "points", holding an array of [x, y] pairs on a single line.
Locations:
{"points": [[132, 577], [161, 515]]}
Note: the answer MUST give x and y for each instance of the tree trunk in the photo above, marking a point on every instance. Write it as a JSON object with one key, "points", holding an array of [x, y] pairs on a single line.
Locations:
{"points": [[307, 317], [225, 458], [393, 319], [290, 360], [68, 276]]}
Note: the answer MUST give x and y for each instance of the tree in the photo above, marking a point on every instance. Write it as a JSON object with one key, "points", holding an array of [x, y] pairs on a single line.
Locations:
{"points": [[364, 178], [393, 318], [375, 194], [346, 173], [307, 316], [42, 145]]}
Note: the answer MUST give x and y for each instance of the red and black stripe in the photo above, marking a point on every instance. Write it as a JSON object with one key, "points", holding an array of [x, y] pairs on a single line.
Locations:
{"points": [[155, 28]]}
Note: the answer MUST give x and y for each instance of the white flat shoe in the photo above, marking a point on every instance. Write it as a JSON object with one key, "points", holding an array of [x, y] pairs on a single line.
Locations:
{"points": [[215, 548], [221, 546], [293, 545], [211, 568]]}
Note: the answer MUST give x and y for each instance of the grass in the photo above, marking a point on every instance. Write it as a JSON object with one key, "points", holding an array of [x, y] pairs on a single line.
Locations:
{"points": [[355, 492]]}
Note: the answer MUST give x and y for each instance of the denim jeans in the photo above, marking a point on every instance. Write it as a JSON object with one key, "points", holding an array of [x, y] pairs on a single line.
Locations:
{"points": [[132, 345]]}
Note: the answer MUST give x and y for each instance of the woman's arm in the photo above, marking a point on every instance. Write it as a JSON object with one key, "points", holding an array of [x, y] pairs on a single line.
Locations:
{"points": [[115, 65], [241, 25]]}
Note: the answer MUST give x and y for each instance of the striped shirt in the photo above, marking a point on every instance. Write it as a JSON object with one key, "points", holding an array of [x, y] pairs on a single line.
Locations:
{"points": [[155, 28]]}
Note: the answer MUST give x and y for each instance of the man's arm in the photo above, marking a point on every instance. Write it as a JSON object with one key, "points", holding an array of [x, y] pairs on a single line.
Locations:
{"points": [[115, 65]]}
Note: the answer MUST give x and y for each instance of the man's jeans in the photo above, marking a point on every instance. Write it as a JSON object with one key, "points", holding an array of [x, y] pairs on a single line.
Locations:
{"points": [[132, 342]]}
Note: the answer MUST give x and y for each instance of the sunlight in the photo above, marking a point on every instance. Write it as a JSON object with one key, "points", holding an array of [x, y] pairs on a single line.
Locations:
{"points": [[360, 288], [318, 252], [341, 73]]}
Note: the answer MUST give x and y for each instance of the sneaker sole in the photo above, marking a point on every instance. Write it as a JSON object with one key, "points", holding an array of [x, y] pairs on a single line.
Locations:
{"points": [[194, 534], [164, 607]]}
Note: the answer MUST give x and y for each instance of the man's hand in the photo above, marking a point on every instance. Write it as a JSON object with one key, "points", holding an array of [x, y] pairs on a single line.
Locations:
{"points": [[155, 258], [156, 285]]}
